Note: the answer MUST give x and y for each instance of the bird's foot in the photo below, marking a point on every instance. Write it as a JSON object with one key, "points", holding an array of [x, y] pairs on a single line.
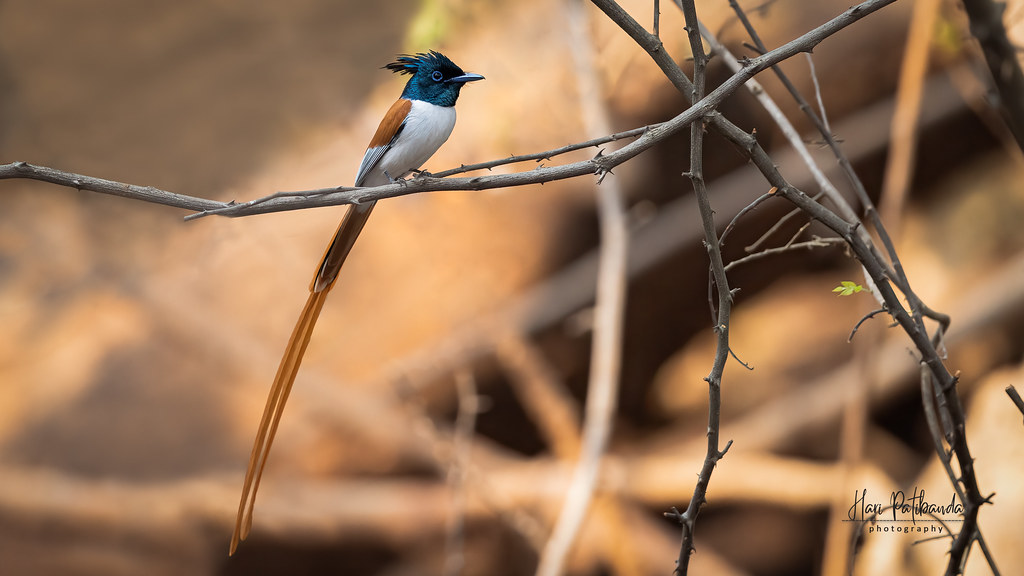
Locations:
{"points": [[393, 180]]}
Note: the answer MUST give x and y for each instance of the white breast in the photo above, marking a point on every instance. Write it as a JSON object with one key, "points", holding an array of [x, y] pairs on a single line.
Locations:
{"points": [[427, 127]]}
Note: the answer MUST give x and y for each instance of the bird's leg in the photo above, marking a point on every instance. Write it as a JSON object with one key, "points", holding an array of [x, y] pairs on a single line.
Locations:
{"points": [[393, 180]]}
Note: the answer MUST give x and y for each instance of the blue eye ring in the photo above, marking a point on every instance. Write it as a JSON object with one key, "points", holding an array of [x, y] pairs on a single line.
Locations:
{"points": [[436, 76]]}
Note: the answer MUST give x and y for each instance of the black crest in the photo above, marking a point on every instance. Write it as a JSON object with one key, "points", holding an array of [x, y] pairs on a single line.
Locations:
{"points": [[410, 63]]}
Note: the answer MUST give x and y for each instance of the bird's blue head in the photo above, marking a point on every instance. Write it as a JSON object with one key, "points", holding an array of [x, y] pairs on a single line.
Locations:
{"points": [[435, 78]]}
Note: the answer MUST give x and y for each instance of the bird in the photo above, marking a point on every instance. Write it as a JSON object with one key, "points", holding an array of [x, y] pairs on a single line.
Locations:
{"points": [[415, 126]]}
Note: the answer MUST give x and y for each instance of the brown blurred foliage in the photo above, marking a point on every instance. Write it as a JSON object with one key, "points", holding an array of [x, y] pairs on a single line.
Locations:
{"points": [[136, 349]]}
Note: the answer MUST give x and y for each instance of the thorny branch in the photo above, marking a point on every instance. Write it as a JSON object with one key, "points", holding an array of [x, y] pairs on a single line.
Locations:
{"points": [[930, 358], [791, 246], [600, 164], [912, 322], [547, 155], [877, 268], [1015, 398], [987, 27], [939, 425], [886, 273], [870, 213], [688, 518]]}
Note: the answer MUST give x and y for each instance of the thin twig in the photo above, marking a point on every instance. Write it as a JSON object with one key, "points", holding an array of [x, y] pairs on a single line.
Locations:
{"points": [[791, 134], [759, 47], [929, 396], [817, 90], [986, 19], [821, 124], [554, 411], [547, 154], [748, 208], [790, 246], [837, 555], [544, 398], [1011, 391], [714, 453], [899, 167], [863, 319], [657, 17], [462, 448], [775, 227], [606, 347]]}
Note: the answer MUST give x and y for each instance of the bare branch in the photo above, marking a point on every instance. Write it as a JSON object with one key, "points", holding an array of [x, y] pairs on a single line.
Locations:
{"points": [[546, 400], [986, 19], [862, 320], [713, 453], [458, 471], [599, 165], [790, 246], [883, 279], [821, 124], [91, 184], [1011, 391], [748, 208], [899, 167], [657, 18], [778, 225], [791, 134], [606, 346], [930, 358], [547, 155], [935, 418]]}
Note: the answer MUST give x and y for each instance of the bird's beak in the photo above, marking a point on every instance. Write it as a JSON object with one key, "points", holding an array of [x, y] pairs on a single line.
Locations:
{"points": [[466, 78]]}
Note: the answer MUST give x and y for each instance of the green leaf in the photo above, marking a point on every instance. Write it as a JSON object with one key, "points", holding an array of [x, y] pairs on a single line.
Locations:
{"points": [[847, 288]]}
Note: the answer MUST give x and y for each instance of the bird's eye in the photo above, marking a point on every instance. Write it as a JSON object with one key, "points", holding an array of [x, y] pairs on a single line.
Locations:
{"points": [[436, 76]]}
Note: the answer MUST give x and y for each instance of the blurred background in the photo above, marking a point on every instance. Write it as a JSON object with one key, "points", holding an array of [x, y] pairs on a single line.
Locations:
{"points": [[136, 349]]}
